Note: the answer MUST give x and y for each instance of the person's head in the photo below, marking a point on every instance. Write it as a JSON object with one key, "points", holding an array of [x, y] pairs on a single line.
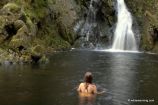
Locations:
{"points": [[88, 77]]}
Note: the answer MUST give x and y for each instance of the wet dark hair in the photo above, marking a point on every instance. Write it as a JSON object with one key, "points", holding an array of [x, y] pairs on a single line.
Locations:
{"points": [[88, 77]]}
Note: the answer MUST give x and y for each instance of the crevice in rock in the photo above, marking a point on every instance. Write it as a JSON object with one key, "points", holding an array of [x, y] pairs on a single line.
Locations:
{"points": [[20, 48], [10, 30], [35, 58], [39, 25], [23, 18], [154, 34]]}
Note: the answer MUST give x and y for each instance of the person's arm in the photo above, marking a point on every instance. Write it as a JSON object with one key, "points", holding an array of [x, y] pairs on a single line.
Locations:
{"points": [[96, 92], [95, 89], [101, 92], [79, 88]]}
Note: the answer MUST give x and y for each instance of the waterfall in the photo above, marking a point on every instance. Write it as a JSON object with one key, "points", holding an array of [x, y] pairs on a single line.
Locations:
{"points": [[90, 22], [87, 28], [124, 38]]}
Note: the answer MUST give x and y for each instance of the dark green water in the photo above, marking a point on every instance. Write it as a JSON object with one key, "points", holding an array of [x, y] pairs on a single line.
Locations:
{"points": [[123, 75]]}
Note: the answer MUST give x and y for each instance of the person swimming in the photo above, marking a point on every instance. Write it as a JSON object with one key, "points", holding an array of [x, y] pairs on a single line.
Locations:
{"points": [[87, 88]]}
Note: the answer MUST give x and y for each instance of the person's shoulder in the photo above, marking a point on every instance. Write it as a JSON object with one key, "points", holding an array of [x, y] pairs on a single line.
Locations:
{"points": [[93, 84], [81, 84]]}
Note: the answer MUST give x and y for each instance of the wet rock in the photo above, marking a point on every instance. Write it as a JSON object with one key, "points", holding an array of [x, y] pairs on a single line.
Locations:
{"points": [[35, 58], [7, 62], [44, 59], [66, 19], [95, 22]]}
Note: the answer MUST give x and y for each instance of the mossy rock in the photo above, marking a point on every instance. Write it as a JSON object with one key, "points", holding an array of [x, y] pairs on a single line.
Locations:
{"points": [[15, 43], [43, 59], [12, 7], [38, 54], [3, 2], [18, 24], [59, 43], [2, 22], [66, 33], [25, 58], [37, 50], [31, 26], [22, 38]]}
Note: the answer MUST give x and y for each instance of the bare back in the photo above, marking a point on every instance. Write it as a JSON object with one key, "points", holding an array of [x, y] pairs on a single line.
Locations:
{"points": [[87, 88]]}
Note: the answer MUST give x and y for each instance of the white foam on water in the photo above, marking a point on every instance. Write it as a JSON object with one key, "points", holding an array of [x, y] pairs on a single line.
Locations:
{"points": [[120, 51]]}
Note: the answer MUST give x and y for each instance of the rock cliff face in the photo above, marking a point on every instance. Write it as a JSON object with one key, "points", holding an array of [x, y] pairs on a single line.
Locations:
{"points": [[34, 28], [96, 23], [146, 15]]}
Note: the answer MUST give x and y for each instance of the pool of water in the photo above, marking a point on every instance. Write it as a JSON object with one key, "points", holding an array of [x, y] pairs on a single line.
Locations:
{"points": [[126, 77]]}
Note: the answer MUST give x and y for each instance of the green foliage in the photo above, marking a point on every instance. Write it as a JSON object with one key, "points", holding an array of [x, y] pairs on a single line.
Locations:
{"points": [[37, 29], [12, 7]]}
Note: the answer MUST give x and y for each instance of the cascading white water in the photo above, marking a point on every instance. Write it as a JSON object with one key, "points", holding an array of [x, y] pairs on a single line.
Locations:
{"points": [[88, 28], [124, 38], [90, 21]]}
